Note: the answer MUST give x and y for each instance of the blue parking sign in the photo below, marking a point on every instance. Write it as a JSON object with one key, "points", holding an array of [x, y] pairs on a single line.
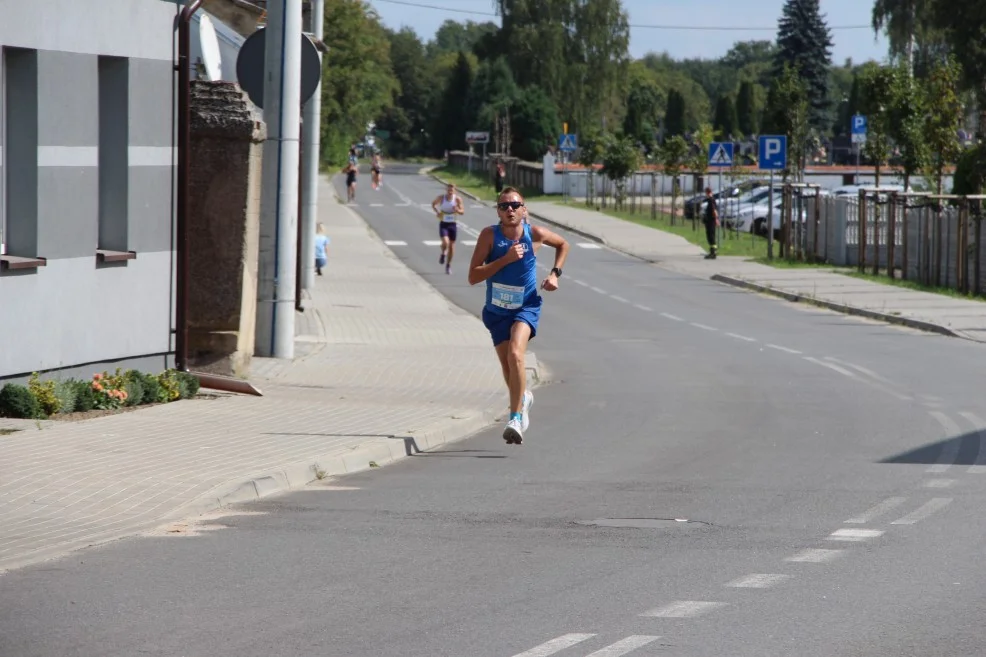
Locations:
{"points": [[773, 152]]}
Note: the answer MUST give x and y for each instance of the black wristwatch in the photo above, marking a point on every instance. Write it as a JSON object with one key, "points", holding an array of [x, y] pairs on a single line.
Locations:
{"points": [[556, 271]]}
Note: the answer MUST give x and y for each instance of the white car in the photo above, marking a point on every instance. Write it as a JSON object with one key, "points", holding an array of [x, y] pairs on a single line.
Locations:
{"points": [[732, 207], [753, 219]]}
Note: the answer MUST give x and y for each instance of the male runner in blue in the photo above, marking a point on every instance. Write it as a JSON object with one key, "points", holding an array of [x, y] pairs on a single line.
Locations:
{"points": [[505, 257]]}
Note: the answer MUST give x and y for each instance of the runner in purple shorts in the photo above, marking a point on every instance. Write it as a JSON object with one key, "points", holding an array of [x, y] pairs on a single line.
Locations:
{"points": [[506, 258], [446, 207]]}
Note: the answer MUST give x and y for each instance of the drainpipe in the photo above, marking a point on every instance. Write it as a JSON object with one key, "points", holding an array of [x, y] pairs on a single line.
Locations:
{"points": [[210, 381]]}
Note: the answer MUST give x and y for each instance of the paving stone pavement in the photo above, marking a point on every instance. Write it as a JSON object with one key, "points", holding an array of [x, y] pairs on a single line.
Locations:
{"points": [[384, 365]]}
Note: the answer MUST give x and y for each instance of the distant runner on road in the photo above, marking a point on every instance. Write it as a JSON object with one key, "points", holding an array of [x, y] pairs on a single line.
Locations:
{"points": [[446, 207], [505, 257]]}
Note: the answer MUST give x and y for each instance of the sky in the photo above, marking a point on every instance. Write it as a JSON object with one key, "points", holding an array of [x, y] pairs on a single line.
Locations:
{"points": [[859, 44]]}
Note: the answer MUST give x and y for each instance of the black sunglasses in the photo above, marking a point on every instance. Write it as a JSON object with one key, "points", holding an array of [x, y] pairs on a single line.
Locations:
{"points": [[512, 205]]}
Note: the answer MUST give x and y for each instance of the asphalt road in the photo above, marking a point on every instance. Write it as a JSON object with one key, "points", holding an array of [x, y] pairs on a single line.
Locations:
{"points": [[800, 483]]}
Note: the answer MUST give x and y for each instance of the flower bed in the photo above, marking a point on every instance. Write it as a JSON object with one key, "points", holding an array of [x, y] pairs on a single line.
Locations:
{"points": [[41, 400]]}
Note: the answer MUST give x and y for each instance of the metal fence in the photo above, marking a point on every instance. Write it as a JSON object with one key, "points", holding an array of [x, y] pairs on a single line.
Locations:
{"points": [[931, 239]]}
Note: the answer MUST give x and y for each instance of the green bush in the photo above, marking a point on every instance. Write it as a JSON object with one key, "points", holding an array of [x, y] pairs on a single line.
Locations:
{"points": [[44, 393], [152, 388], [18, 402], [133, 385], [189, 385], [85, 396], [66, 393]]}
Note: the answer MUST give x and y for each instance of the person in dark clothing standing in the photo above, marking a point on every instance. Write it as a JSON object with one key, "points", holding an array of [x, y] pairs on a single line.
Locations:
{"points": [[711, 221], [501, 177]]}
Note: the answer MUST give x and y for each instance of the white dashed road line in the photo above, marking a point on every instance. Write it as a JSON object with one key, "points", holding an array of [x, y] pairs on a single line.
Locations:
{"points": [[616, 298], [588, 245], [939, 483], [644, 308], [979, 466], [784, 349], [741, 337], [854, 535], [815, 555], [395, 243], [704, 327], [757, 581], [923, 511], [672, 317], [555, 645], [580, 282], [432, 242], [885, 506], [596, 289], [624, 646], [683, 609]]}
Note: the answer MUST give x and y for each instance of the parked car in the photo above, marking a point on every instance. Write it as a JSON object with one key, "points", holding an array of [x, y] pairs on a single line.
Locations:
{"points": [[697, 203], [754, 218]]}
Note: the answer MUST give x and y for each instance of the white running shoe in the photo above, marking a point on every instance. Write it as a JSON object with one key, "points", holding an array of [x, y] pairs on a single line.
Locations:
{"points": [[514, 432], [526, 412]]}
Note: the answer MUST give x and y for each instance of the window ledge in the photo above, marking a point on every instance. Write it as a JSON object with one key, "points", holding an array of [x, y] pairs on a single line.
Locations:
{"points": [[105, 255], [20, 262]]}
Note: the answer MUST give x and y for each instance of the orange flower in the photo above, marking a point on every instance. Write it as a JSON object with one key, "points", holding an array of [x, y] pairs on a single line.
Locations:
{"points": [[97, 376], [97, 387]]}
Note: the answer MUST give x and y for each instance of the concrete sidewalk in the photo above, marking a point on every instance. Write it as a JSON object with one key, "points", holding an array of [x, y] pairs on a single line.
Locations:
{"points": [[921, 310], [385, 366]]}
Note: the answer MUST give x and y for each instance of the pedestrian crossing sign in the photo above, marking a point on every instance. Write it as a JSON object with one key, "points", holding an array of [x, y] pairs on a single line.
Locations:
{"points": [[568, 142], [721, 154]]}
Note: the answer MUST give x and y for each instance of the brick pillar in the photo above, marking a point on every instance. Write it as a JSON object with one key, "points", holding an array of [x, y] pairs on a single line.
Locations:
{"points": [[223, 226]]}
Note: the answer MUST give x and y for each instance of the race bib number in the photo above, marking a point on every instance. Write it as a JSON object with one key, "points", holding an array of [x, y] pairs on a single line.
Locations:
{"points": [[508, 297]]}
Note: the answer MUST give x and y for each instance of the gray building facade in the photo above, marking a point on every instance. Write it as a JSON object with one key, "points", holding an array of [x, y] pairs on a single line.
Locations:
{"points": [[87, 185]]}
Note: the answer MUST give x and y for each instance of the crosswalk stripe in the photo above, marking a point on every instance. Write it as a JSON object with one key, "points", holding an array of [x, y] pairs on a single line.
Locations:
{"points": [[395, 243], [854, 535], [624, 646], [555, 645], [683, 609], [757, 581]]}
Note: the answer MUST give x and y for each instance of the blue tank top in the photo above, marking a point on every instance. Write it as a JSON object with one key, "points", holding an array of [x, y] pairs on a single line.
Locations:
{"points": [[516, 285]]}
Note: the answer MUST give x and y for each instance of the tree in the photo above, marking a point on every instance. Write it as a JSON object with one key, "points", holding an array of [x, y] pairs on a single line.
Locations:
{"points": [[698, 161], [746, 109], [787, 113], [535, 124], [674, 116], [673, 154], [409, 119], [963, 22], [358, 84], [907, 123], [573, 50], [451, 122], [726, 122], [621, 159], [905, 22], [877, 104], [492, 93], [592, 145], [805, 43], [943, 118], [642, 109], [453, 36]]}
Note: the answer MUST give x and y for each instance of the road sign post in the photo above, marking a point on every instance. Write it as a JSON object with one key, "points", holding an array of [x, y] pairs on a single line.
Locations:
{"points": [[720, 157], [857, 129], [567, 143], [772, 156]]}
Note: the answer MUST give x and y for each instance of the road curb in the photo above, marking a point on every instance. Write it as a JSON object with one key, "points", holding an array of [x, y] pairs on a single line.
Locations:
{"points": [[370, 455], [839, 307]]}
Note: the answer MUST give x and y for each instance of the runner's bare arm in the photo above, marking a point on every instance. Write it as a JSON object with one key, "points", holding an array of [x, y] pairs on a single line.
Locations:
{"points": [[460, 207], [560, 245], [478, 271]]}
